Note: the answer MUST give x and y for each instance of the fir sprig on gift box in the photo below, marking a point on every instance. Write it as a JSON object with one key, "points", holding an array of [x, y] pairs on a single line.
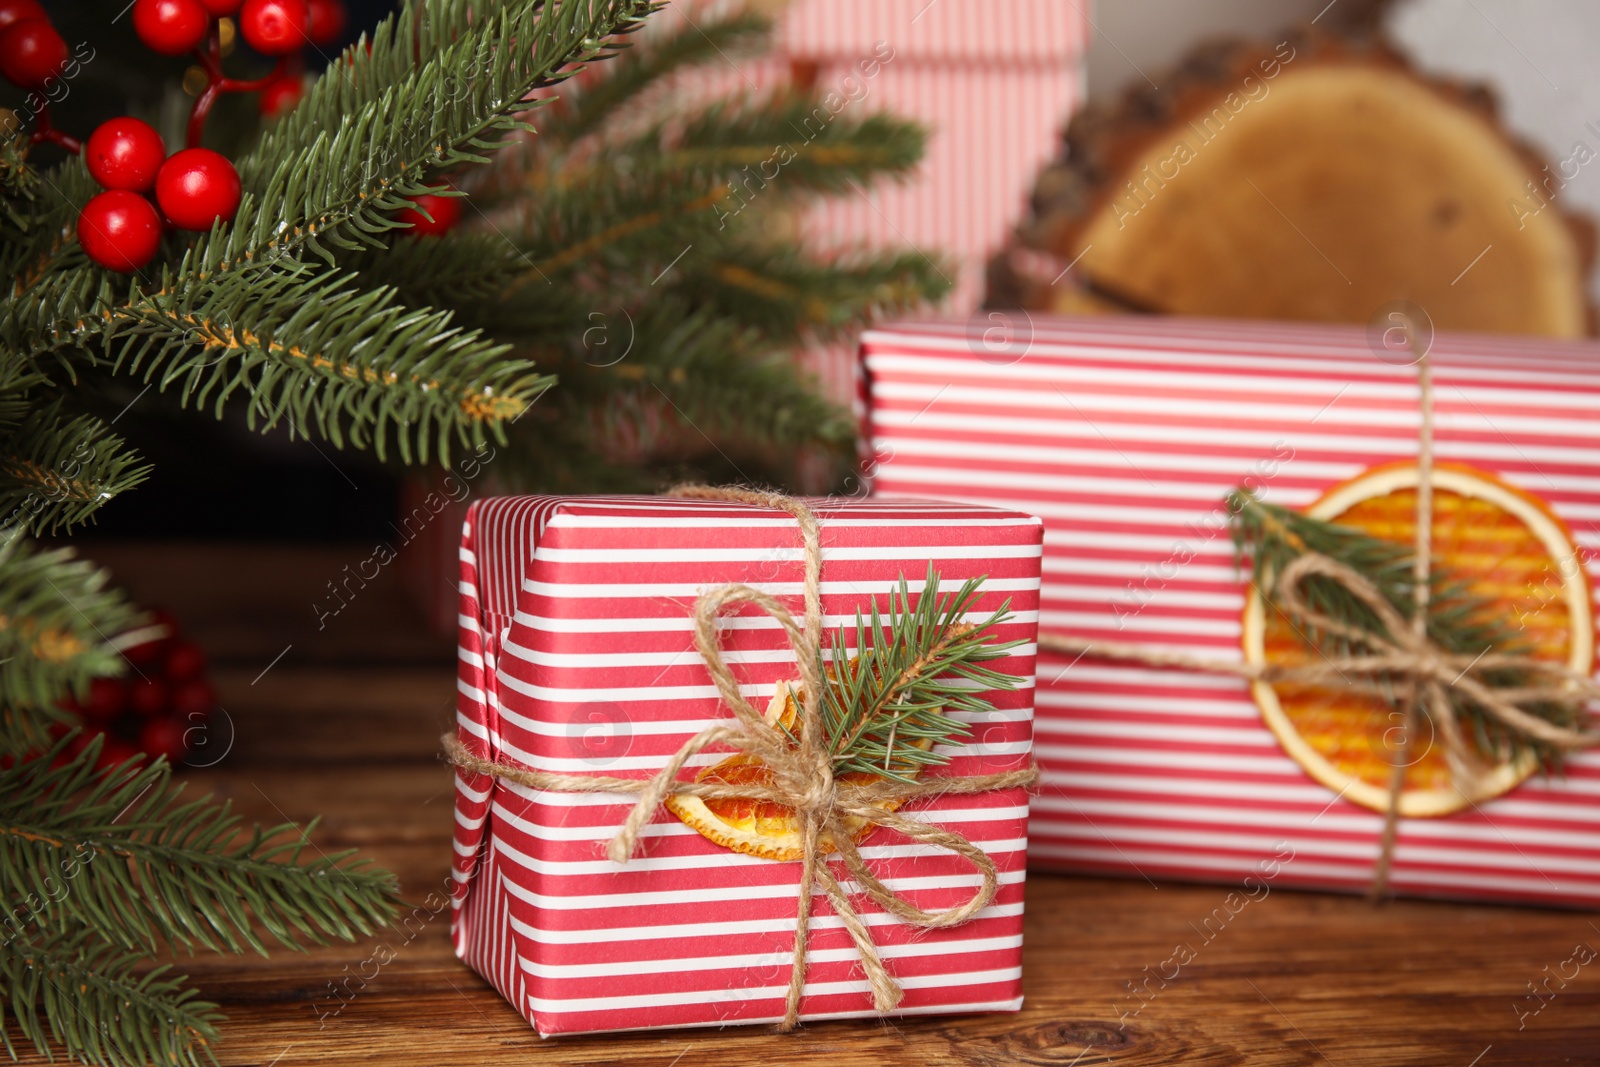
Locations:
{"points": [[892, 690], [1461, 621]]}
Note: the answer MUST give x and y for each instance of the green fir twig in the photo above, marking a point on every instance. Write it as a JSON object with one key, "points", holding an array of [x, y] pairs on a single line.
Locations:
{"points": [[890, 704], [102, 868]]}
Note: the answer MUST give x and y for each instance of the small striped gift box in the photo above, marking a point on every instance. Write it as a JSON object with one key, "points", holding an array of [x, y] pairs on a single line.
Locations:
{"points": [[1123, 435], [577, 658]]}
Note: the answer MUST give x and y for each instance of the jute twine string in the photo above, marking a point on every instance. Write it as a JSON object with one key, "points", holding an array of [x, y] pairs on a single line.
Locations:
{"points": [[1403, 649], [801, 770]]}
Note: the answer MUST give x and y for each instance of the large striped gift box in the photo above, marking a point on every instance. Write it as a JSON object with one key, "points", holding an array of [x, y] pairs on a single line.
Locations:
{"points": [[1124, 434], [577, 657]]}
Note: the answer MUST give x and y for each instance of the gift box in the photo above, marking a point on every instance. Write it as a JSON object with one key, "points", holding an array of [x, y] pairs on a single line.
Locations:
{"points": [[992, 83], [1124, 435], [578, 659]]}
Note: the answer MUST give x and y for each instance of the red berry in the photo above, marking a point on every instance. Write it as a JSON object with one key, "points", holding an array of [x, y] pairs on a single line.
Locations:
{"points": [[149, 696], [194, 698], [275, 27], [196, 187], [446, 212], [119, 230], [107, 699], [280, 95], [17, 10], [221, 8], [171, 27], [31, 53], [125, 153], [326, 22], [185, 661], [165, 737]]}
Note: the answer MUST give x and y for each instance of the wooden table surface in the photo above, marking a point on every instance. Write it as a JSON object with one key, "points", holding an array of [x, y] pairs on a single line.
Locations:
{"points": [[344, 721]]}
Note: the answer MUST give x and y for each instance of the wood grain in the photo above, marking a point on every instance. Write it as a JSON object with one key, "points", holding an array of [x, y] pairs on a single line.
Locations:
{"points": [[346, 723]]}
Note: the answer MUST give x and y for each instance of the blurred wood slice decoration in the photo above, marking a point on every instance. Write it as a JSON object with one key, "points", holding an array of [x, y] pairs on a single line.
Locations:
{"points": [[1320, 179]]}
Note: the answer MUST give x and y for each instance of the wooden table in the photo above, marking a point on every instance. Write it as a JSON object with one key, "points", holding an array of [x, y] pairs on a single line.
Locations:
{"points": [[344, 722]]}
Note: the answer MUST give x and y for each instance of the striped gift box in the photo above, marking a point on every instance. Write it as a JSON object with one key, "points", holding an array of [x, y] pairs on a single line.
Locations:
{"points": [[992, 81], [1124, 435], [576, 657]]}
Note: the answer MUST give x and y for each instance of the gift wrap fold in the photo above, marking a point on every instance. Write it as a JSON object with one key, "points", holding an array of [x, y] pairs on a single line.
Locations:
{"points": [[577, 657], [1124, 435]]}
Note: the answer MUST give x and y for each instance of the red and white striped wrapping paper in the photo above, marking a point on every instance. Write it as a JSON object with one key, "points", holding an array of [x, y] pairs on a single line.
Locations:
{"points": [[992, 81], [576, 656], [1123, 434]]}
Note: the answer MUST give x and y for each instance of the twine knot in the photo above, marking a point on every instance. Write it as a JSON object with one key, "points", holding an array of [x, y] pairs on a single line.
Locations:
{"points": [[814, 794], [801, 775]]}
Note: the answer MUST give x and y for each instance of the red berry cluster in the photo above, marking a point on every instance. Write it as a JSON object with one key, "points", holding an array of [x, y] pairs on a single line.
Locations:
{"points": [[119, 228], [278, 28], [271, 27], [162, 708]]}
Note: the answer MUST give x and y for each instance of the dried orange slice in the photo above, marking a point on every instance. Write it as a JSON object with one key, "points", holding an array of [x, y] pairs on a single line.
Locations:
{"points": [[1510, 548], [760, 827]]}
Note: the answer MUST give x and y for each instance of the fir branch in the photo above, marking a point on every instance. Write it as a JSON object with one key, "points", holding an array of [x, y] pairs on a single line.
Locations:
{"points": [[56, 472], [888, 706], [153, 868], [19, 188], [787, 141], [98, 1005], [469, 271], [783, 292], [437, 90], [622, 227], [58, 619], [313, 349], [616, 96], [719, 378], [48, 242], [1460, 620]]}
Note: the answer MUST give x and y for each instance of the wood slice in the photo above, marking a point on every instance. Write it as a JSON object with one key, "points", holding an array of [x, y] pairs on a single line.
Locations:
{"points": [[1317, 179]]}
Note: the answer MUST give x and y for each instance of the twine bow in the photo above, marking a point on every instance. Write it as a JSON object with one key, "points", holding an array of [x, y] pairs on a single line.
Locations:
{"points": [[1403, 650], [801, 775]]}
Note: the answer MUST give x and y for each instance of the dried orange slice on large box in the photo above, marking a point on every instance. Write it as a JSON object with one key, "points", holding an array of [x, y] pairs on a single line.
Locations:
{"points": [[760, 827], [1509, 546]]}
